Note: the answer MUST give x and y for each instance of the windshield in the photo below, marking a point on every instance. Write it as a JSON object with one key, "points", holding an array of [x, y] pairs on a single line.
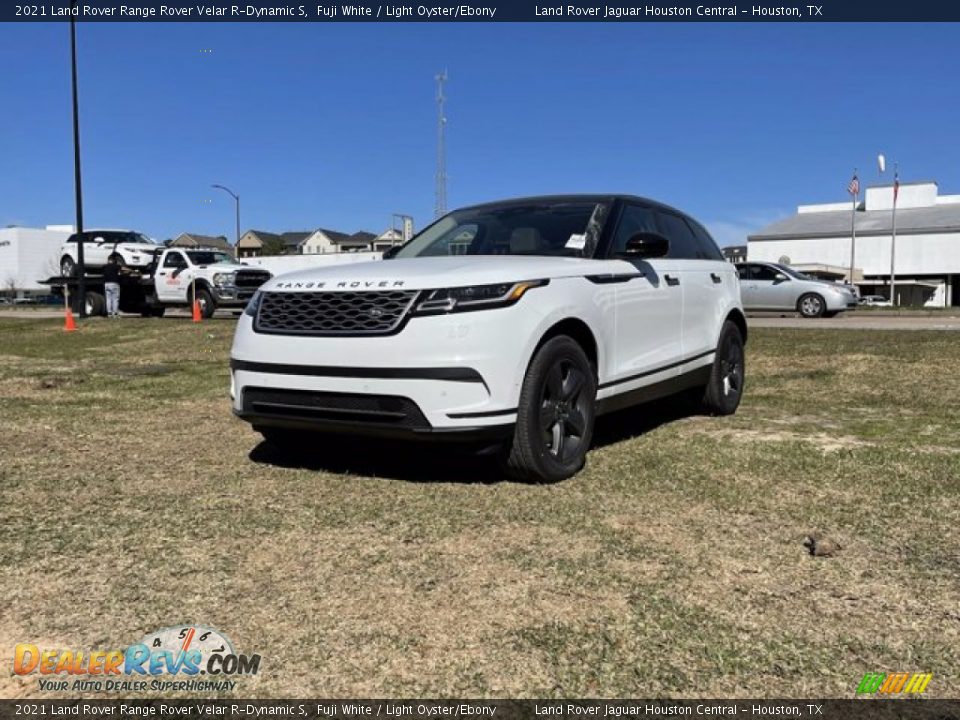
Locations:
{"points": [[562, 229], [208, 257]]}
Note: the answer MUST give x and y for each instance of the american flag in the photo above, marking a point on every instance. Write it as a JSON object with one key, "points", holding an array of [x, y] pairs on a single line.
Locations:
{"points": [[896, 185], [854, 187]]}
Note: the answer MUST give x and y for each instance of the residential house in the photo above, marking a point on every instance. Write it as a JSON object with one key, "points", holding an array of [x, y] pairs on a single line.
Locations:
{"points": [[323, 241], [194, 240], [251, 243]]}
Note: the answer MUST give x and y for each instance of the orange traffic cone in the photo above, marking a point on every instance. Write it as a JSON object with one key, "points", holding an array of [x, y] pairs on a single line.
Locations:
{"points": [[69, 324], [196, 311]]}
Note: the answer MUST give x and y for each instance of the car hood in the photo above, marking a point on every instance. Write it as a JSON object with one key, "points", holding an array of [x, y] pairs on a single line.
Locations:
{"points": [[229, 267], [439, 272], [136, 247]]}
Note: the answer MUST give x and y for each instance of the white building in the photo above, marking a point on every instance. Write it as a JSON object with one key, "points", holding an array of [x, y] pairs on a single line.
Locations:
{"points": [[29, 255], [818, 239]]}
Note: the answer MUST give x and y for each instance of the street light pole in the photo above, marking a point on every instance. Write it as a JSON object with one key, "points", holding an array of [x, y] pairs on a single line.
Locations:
{"points": [[81, 270], [237, 199]]}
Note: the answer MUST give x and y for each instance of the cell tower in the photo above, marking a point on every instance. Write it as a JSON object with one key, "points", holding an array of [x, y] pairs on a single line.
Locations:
{"points": [[440, 207]]}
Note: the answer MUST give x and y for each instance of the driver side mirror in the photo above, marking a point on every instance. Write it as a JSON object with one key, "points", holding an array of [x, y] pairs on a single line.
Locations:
{"points": [[645, 245], [780, 277], [99, 240]]}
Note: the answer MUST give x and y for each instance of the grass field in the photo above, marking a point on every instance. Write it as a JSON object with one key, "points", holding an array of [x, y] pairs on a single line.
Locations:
{"points": [[131, 499]]}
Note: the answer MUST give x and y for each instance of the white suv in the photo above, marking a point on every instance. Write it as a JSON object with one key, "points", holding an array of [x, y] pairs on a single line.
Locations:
{"points": [[512, 323], [130, 248]]}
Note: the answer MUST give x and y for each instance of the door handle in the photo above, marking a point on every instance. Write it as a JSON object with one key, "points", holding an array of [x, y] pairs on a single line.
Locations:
{"points": [[161, 273], [716, 278], [671, 279]]}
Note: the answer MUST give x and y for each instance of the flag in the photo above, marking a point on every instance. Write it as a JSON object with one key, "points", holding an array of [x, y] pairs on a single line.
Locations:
{"points": [[854, 187], [896, 186]]}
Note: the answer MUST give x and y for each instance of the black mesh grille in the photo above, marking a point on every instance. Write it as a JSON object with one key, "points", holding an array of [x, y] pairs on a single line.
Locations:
{"points": [[251, 278], [379, 410], [333, 313]]}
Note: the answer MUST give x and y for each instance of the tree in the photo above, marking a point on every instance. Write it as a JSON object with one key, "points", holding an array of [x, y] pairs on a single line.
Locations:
{"points": [[273, 246]]}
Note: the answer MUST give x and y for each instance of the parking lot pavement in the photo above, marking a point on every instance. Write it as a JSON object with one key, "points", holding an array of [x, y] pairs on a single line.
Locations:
{"points": [[860, 321]]}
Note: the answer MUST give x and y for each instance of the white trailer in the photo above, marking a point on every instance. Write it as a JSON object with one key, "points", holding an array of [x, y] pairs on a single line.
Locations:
{"points": [[27, 256]]}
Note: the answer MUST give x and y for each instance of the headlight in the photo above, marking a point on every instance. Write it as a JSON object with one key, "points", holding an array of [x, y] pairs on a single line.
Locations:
{"points": [[253, 304], [475, 297], [224, 278]]}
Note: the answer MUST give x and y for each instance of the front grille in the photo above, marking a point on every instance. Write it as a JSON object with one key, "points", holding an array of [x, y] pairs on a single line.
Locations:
{"points": [[378, 410], [251, 278], [334, 313]]}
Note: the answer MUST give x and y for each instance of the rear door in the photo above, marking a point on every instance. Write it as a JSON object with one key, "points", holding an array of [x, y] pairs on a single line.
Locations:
{"points": [[649, 309]]}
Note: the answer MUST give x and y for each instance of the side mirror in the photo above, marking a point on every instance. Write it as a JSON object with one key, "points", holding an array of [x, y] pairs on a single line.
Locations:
{"points": [[98, 240], [780, 277], [646, 245], [391, 251]]}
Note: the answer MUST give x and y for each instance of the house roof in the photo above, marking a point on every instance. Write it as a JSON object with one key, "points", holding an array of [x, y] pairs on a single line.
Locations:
{"points": [[336, 237], [294, 239], [263, 235], [197, 240], [933, 219], [363, 236]]}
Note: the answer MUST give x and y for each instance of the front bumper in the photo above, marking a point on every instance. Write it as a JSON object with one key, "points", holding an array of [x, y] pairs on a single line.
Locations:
{"points": [[462, 372], [232, 295]]}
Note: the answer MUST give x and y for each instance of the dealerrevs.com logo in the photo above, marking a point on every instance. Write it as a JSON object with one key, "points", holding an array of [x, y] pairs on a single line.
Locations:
{"points": [[188, 658]]}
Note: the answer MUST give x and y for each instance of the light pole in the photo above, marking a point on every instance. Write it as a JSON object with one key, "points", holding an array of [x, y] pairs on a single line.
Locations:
{"points": [[237, 199], [81, 270]]}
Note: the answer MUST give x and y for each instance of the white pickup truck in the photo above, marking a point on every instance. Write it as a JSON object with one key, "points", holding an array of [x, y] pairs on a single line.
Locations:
{"points": [[173, 278]]}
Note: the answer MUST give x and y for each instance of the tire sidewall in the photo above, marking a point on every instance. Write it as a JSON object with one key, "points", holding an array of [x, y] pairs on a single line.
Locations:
{"points": [[556, 350]]}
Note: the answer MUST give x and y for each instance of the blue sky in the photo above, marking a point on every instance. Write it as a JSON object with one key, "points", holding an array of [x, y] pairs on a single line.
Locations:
{"points": [[334, 125]]}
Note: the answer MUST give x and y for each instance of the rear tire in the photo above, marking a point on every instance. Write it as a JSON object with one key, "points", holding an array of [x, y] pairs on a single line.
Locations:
{"points": [[96, 304], [722, 394], [811, 305], [555, 414]]}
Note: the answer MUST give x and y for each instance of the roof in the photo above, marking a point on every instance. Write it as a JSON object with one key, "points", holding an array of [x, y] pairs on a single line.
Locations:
{"points": [[197, 240], [263, 235], [936, 218], [363, 236], [335, 236], [293, 239]]}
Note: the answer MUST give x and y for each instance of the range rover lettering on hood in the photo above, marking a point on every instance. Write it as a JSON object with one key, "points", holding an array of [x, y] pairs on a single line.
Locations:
{"points": [[344, 284]]}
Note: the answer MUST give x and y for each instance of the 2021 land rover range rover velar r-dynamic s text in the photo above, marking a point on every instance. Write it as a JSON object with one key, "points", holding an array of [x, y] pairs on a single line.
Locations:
{"points": [[513, 322]]}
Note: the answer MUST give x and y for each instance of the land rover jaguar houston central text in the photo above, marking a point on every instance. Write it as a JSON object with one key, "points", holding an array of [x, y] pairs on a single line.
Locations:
{"points": [[512, 324]]}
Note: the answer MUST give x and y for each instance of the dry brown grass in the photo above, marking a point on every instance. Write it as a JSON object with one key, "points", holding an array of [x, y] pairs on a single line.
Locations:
{"points": [[130, 499]]}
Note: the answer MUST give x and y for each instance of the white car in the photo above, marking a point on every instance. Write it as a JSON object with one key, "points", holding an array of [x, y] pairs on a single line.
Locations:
{"points": [[512, 323], [132, 249]]}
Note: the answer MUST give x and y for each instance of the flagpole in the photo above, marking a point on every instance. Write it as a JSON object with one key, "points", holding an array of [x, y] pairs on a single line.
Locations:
{"points": [[893, 237], [853, 228]]}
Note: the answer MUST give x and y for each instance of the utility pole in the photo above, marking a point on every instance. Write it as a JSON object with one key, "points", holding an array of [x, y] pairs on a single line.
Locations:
{"points": [[81, 269], [854, 189], [236, 199], [440, 206]]}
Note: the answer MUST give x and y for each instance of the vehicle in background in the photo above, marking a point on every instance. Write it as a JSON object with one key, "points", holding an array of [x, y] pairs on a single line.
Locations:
{"points": [[130, 248], [875, 301], [772, 286], [510, 325], [173, 278]]}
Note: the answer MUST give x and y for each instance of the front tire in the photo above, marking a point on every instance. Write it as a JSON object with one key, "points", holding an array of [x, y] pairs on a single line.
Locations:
{"points": [[555, 414], [207, 306], [68, 267], [811, 305], [725, 387]]}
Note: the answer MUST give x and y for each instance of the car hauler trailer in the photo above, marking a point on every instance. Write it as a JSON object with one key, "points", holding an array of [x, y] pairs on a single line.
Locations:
{"points": [[175, 278]]}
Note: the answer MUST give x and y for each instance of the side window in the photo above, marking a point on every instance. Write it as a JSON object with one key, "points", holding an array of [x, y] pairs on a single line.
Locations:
{"points": [[683, 245], [174, 260], [708, 249], [763, 272], [744, 271], [633, 219]]}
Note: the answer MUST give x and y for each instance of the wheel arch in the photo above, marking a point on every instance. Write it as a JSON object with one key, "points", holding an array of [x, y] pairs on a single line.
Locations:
{"points": [[737, 317], [576, 329]]}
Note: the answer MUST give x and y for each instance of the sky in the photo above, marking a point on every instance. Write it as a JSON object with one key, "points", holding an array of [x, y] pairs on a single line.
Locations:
{"points": [[334, 125]]}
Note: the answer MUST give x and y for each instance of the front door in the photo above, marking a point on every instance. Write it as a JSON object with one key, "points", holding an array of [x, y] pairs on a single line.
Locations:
{"points": [[173, 278], [648, 310]]}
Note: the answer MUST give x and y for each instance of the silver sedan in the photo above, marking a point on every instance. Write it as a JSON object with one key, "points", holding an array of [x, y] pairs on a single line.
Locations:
{"points": [[771, 286]]}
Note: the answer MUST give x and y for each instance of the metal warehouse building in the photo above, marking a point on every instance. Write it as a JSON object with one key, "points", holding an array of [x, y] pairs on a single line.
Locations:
{"points": [[817, 240]]}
